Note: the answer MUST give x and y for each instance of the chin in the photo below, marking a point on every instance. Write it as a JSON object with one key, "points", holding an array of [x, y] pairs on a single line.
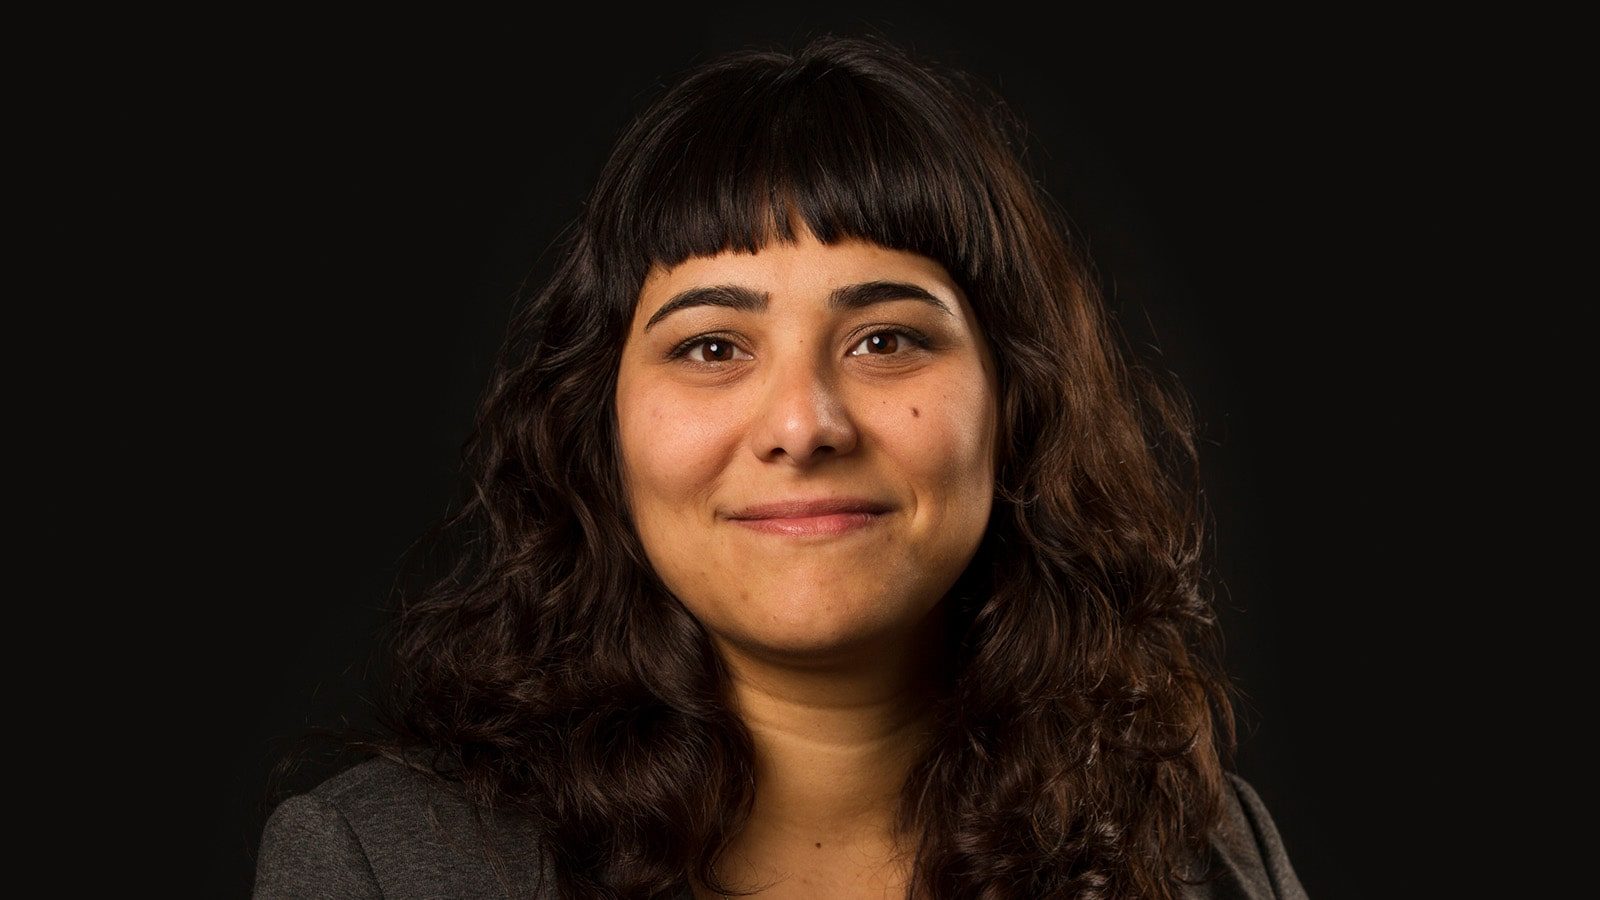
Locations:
{"points": [[800, 630], [814, 650]]}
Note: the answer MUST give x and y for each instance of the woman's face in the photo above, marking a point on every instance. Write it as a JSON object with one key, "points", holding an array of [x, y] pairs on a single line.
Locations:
{"points": [[796, 374]]}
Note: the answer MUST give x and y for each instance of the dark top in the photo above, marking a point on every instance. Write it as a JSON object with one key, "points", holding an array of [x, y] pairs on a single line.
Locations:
{"points": [[378, 829]]}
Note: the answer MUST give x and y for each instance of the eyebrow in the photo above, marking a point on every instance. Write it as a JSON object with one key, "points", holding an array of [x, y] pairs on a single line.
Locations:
{"points": [[848, 297]]}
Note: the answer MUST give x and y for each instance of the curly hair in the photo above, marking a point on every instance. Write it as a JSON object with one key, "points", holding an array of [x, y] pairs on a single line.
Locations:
{"points": [[1082, 733]]}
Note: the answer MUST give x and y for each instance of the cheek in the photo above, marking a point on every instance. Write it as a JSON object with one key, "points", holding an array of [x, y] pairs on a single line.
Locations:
{"points": [[947, 436], [670, 450]]}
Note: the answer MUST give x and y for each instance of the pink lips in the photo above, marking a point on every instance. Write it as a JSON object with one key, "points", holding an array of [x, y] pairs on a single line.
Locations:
{"points": [[811, 517]]}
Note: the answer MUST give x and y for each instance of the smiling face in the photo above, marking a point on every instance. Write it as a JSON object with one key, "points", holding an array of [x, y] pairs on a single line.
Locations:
{"points": [[808, 372]]}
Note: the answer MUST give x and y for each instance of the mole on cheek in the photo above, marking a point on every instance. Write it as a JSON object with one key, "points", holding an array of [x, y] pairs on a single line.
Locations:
{"points": [[914, 412]]}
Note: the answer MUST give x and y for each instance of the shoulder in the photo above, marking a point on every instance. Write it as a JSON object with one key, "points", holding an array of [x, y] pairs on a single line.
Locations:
{"points": [[1248, 860], [381, 829]]}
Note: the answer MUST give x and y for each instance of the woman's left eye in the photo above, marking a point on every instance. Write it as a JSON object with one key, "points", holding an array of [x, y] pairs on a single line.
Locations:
{"points": [[888, 341]]}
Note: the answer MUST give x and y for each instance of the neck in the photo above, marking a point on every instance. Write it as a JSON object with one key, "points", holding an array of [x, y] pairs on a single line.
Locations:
{"points": [[833, 745], [831, 757]]}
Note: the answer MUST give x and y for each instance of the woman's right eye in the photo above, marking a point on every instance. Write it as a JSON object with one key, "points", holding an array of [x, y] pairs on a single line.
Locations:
{"points": [[718, 349]]}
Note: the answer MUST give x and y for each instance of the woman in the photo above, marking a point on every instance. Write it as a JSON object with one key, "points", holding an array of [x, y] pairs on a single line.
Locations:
{"points": [[820, 542]]}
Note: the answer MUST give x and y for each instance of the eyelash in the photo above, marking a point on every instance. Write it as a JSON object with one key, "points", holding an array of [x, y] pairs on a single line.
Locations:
{"points": [[682, 350]]}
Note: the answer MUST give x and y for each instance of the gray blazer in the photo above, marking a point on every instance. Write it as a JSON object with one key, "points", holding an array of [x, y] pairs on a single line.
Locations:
{"points": [[378, 829]]}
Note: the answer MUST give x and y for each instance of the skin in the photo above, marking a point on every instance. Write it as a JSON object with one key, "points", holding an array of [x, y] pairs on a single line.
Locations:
{"points": [[828, 638]]}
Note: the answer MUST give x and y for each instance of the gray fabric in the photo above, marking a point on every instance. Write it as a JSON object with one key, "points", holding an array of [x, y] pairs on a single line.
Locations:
{"points": [[378, 829]]}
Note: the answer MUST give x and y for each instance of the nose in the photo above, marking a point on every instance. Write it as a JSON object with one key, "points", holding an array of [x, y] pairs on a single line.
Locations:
{"points": [[803, 416]]}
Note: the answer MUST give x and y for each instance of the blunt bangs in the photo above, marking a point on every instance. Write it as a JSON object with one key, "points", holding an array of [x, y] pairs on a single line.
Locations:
{"points": [[854, 145]]}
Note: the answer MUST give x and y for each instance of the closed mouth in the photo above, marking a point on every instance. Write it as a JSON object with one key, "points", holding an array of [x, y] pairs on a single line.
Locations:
{"points": [[813, 508]]}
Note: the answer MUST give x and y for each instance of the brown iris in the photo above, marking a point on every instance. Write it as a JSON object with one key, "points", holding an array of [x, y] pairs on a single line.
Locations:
{"points": [[887, 341]]}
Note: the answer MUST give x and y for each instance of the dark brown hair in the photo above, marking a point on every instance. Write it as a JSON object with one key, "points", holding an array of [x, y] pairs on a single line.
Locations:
{"points": [[1083, 733]]}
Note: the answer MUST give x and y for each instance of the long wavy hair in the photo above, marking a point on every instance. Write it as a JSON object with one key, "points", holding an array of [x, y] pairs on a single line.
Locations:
{"points": [[1082, 735]]}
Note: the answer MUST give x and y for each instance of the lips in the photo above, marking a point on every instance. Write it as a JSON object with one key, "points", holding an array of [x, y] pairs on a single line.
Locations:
{"points": [[822, 516], [811, 508]]}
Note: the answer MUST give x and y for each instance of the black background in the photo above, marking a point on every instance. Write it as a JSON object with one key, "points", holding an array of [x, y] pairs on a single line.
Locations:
{"points": [[295, 244]]}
